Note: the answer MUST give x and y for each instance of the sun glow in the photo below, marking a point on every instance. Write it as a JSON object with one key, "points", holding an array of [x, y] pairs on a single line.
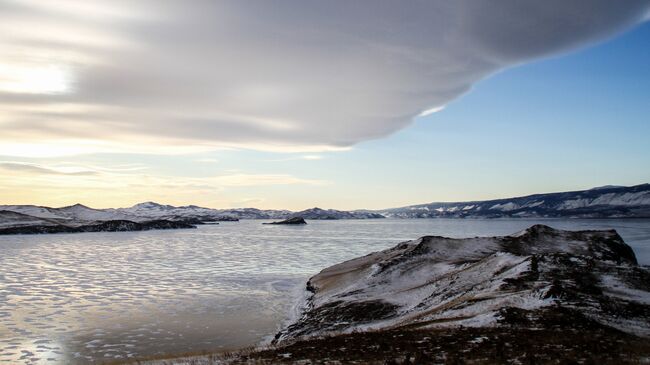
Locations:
{"points": [[48, 79]]}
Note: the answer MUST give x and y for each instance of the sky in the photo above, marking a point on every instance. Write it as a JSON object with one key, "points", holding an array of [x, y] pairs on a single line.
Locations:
{"points": [[293, 104]]}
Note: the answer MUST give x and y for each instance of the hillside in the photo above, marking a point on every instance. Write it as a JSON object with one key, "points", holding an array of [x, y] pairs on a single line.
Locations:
{"points": [[602, 202]]}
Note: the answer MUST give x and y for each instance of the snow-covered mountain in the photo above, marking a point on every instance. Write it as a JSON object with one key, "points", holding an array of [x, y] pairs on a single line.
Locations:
{"points": [[254, 213], [72, 214], [518, 280], [602, 202], [151, 210], [312, 213], [25, 219]]}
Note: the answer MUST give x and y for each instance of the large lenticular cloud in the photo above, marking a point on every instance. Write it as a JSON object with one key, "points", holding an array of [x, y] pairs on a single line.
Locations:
{"points": [[283, 74]]}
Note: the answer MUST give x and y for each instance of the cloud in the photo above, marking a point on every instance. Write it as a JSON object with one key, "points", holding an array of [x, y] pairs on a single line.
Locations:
{"points": [[207, 160], [36, 169], [258, 180], [63, 184], [287, 75], [311, 157], [113, 176], [296, 158]]}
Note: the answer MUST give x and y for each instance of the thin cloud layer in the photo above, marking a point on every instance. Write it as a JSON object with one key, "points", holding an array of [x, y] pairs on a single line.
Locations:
{"points": [[31, 168], [63, 184], [289, 75]]}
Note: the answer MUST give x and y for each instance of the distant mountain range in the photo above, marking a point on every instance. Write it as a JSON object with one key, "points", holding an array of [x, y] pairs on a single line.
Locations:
{"points": [[25, 219], [143, 212], [151, 210], [602, 202]]}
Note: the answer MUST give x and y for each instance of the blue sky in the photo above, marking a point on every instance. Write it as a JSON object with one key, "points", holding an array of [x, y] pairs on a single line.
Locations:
{"points": [[569, 121]]}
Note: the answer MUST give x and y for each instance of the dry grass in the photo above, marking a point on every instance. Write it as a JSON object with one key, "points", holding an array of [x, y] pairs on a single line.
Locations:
{"points": [[448, 346]]}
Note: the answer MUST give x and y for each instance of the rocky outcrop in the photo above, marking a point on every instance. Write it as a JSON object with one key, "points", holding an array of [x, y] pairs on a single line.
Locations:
{"points": [[290, 221], [586, 278]]}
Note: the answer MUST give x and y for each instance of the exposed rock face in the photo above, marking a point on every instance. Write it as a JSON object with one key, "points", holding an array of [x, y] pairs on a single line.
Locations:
{"points": [[586, 278], [293, 220], [603, 202]]}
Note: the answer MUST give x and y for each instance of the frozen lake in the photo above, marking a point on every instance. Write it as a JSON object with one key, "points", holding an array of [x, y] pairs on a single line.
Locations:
{"points": [[96, 297]]}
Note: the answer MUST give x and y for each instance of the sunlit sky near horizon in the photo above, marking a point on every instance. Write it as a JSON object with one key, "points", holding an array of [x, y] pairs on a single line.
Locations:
{"points": [[118, 109]]}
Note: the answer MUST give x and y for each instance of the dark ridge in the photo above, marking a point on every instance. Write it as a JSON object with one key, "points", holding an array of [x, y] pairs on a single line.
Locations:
{"points": [[106, 226], [606, 244]]}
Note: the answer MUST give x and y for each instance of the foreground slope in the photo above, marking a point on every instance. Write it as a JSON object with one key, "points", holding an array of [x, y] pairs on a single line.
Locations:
{"points": [[438, 282]]}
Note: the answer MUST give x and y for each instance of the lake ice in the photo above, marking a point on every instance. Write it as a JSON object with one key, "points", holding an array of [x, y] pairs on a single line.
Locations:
{"points": [[93, 297]]}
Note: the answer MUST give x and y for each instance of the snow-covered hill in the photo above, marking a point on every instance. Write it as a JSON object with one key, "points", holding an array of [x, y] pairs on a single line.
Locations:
{"points": [[151, 210], [72, 214], [438, 282], [602, 202], [14, 219], [26, 219]]}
